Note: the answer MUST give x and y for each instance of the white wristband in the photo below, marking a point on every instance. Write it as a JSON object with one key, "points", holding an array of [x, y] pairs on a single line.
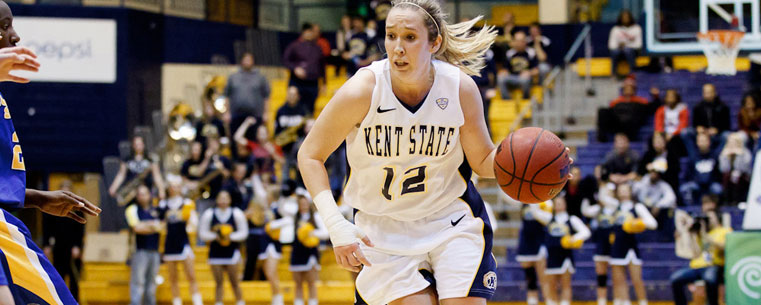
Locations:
{"points": [[342, 232]]}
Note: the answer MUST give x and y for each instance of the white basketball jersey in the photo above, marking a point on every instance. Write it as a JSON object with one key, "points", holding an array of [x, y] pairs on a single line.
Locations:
{"points": [[404, 165]]}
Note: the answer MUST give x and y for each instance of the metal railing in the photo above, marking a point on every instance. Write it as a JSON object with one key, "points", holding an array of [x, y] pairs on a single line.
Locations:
{"points": [[550, 114]]}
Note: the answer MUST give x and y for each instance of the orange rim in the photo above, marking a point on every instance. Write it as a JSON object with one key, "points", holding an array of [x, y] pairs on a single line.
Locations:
{"points": [[728, 38]]}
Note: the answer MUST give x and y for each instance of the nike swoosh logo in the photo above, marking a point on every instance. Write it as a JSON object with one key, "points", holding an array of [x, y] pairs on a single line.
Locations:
{"points": [[454, 223], [384, 110]]}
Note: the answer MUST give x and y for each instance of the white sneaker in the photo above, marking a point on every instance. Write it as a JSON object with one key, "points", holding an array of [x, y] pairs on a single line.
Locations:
{"points": [[197, 299], [240, 302], [602, 302], [176, 301], [298, 301], [312, 302], [277, 299]]}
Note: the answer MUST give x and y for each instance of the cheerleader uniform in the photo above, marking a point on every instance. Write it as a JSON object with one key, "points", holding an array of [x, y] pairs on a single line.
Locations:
{"points": [[304, 258], [559, 259], [531, 238], [176, 244], [603, 224], [625, 249], [212, 218]]}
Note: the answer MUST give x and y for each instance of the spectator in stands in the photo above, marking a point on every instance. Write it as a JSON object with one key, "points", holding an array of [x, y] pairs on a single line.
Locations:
{"points": [[708, 239], [203, 174], [711, 115], [578, 189], [735, 165], [265, 152], [223, 227], [661, 151], [621, 163], [658, 196], [142, 218], [321, 41], [625, 40], [625, 114], [304, 59], [62, 244], [505, 39], [210, 125], [239, 186], [540, 44], [343, 35], [749, 119], [362, 49], [289, 123], [702, 175], [521, 67], [485, 82], [673, 117], [248, 92], [140, 168]]}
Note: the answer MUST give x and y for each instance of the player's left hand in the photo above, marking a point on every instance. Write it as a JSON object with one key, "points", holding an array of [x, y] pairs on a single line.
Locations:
{"points": [[61, 203]]}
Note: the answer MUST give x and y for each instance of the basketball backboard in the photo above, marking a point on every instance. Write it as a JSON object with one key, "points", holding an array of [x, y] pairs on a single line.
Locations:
{"points": [[672, 26]]}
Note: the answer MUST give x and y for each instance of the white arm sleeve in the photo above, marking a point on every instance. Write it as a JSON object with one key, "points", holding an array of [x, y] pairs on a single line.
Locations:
{"points": [[589, 210], [646, 217], [636, 31], [260, 193], [613, 38], [204, 226], [540, 215], [582, 232], [241, 226], [320, 230]]}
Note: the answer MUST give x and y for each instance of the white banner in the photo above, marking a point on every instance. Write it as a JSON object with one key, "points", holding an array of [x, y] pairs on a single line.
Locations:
{"points": [[752, 220], [70, 49]]}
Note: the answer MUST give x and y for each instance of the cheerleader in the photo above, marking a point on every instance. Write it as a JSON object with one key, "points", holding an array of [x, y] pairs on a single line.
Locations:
{"points": [[564, 233], [602, 217], [223, 227], [531, 250], [631, 219], [180, 217], [280, 230], [305, 258]]}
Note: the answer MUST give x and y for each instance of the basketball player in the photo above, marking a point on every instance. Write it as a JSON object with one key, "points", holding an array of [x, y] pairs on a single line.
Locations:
{"points": [[531, 251], [26, 275], [414, 128]]}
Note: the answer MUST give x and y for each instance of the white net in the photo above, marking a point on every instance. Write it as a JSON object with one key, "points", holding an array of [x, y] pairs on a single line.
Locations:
{"points": [[721, 48]]}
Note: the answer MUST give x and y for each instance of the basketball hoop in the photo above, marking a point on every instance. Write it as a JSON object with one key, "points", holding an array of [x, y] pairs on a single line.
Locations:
{"points": [[721, 48]]}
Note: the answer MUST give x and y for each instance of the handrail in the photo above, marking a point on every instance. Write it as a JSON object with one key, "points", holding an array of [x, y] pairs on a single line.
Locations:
{"points": [[554, 73]]}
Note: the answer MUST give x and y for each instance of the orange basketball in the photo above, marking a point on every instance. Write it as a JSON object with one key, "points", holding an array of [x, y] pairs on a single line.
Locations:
{"points": [[531, 165]]}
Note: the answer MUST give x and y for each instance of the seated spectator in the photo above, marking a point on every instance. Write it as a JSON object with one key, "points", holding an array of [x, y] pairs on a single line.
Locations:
{"points": [[702, 175], [504, 39], [708, 237], [521, 67], [659, 197], [362, 50], [289, 121], [660, 150], [620, 165], [485, 82], [749, 119], [540, 44], [624, 41], [673, 117], [343, 35], [736, 166], [578, 189], [626, 113], [263, 150], [711, 115]]}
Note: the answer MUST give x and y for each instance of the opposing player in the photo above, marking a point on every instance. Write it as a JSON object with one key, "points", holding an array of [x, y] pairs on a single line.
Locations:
{"points": [[414, 129], [26, 276]]}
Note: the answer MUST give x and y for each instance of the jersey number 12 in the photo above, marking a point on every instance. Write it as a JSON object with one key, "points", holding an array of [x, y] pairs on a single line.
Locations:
{"points": [[414, 181]]}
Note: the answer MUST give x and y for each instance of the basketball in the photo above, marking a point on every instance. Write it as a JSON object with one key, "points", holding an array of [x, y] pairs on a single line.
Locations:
{"points": [[531, 165]]}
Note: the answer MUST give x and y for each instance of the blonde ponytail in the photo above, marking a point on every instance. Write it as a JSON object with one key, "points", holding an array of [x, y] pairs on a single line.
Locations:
{"points": [[460, 46]]}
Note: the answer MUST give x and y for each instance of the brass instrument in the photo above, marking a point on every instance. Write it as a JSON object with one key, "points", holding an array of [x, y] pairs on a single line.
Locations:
{"points": [[288, 135], [202, 189], [128, 191]]}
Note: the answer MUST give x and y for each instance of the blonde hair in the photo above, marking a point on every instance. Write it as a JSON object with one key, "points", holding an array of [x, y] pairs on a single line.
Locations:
{"points": [[460, 46]]}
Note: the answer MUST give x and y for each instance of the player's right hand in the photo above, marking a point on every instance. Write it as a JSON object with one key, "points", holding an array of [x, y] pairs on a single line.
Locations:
{"points": [[17, 59], [348, 253]]}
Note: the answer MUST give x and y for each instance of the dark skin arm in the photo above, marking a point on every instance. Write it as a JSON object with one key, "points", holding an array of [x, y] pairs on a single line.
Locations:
{"points": [[60, 203]]}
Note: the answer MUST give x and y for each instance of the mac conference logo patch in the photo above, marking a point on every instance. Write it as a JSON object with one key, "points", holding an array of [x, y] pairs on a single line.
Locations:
{"points": [[442, 102], [490, 280]]}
